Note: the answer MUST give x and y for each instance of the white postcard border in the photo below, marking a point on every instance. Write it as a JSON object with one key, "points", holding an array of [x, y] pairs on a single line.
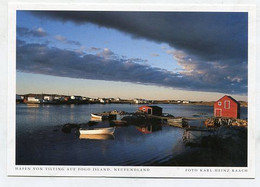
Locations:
{"points": [[131, 171]]}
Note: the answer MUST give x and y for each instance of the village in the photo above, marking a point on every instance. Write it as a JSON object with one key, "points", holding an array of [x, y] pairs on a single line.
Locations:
{"points": [[76, 99]]}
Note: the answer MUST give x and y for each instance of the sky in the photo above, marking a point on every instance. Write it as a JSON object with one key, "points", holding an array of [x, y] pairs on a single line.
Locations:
{"points": [[151, 55]]}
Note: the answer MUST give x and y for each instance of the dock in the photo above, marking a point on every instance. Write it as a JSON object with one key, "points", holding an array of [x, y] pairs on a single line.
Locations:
{"points": [[172, 121]]}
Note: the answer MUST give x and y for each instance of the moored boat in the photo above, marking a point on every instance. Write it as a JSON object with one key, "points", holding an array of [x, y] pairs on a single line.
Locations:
{"points": [[93, 119], [99, 116], [109, 130]]}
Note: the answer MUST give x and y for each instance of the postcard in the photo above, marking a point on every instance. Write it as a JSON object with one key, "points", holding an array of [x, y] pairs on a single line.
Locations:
{"points": [[131, 91]]}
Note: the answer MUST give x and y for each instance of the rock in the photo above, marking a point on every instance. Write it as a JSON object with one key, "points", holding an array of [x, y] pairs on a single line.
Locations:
{"points": [[141, 119], [67, 127], [92, 123], [220, 122]]}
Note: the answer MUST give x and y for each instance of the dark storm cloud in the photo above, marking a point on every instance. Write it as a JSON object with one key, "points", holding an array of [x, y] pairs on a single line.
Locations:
{"points": [[41, 59], [209, 36], [36, 32]]}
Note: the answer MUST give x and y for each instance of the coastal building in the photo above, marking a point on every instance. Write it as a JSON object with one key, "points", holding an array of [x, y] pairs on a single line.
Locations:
{"points": [[102, 100], [65, 98], [32, 99], [93, 99], [74, 97], [57, 98], [185, 102], [227, 107], [140, 101], [85, 98], [48, 98], [154, 110]]}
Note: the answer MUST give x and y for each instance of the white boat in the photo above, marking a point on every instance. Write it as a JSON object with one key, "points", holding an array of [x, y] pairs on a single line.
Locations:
{"points": [[109, 130], [99, 116], [95, 119]]}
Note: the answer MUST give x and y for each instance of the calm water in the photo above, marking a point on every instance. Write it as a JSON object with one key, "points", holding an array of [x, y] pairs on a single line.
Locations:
{"points": [[40, 140]]}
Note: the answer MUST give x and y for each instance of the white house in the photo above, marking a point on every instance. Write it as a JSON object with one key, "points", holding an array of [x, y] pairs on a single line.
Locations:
{"points": [[74, 97], [33, 100], [140, 101], [48, 97], [102, 100], [85, 98], [93, 99]]}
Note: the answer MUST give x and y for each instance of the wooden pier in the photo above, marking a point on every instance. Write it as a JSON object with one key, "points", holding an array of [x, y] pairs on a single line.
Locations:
{"points": [[172, 121]]}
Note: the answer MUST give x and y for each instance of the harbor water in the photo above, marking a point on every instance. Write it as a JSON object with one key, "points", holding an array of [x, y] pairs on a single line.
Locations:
{"points": [[41, 141]]}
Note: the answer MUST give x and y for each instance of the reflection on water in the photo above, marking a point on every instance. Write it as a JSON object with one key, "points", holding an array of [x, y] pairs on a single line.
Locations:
{"points": [[148, 129], [33, 105], [97, 136], [40, 140]]}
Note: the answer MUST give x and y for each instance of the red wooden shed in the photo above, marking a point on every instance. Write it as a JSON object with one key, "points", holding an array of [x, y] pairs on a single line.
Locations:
{"points": [[154, 110], [227, 107]]}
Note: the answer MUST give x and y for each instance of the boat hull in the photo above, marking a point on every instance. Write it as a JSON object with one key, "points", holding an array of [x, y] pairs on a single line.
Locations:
{"points": [[95, 116]]}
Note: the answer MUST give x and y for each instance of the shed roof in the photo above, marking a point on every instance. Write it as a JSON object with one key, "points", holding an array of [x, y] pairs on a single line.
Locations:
{"points": [[229, 98]]}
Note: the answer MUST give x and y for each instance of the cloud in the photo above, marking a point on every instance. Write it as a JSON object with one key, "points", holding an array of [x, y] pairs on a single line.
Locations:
{"points": [[106, 53], [36, 32], [41, 59], [66, 41], [210, 46], [93, 49], [155, 54], [60, 38], [212, 72], [208, 35]]}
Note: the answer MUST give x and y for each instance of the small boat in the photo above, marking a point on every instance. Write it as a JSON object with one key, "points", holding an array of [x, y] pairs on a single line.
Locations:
{"points": [[109, 130], [99, 116], [95, 119]]}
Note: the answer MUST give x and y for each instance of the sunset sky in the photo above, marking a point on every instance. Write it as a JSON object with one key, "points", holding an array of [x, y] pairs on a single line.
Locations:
{"points": [[152, 55]]}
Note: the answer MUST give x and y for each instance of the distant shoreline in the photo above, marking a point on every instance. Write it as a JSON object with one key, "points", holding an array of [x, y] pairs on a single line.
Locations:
{"points": [[242, 104]]}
